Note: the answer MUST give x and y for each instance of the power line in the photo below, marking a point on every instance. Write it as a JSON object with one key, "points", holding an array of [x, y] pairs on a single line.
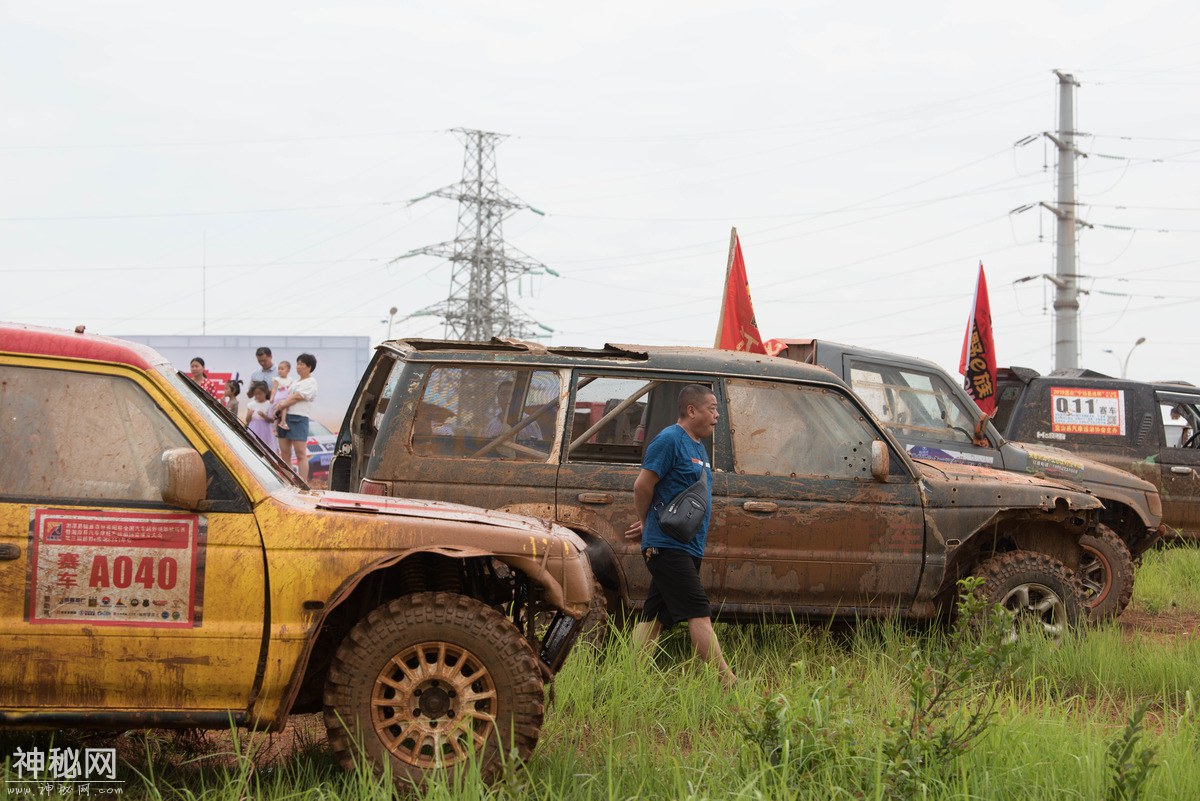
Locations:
{"points": [[214, 143], [225, 281], [172, 267], [154, 215]]}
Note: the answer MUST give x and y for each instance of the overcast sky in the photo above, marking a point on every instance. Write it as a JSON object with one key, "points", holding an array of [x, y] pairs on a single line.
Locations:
{"points": [[865, 151]]}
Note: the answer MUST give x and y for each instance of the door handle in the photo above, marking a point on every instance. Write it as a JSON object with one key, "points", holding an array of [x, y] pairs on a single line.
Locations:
{"points": [[595, 497], [760, 506], [1183, 471], [8, 551]]}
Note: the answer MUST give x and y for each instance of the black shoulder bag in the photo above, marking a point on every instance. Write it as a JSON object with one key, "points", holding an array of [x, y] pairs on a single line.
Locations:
{"points": [[682, 517]]}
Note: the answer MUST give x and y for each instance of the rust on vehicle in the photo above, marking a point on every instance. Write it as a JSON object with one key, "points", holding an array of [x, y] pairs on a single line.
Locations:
{"points": [[817, 509], [175, 573]]}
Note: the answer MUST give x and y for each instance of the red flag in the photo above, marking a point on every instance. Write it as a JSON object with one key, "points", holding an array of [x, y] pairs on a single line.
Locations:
{"points": [[978, 360], [774, 347], [737, 329]]}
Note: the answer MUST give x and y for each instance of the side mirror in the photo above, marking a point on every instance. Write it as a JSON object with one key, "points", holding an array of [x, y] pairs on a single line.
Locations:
{"points": [[184, 481], [880, 460], [980, 439]]}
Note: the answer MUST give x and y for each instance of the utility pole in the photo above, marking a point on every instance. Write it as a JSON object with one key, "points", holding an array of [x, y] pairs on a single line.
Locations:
{"points": [[204, 283], [1066, 292], [479, 306]]}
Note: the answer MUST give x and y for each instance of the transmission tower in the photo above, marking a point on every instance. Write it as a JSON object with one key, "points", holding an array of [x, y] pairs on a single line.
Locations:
{"points": [[483, 268]]}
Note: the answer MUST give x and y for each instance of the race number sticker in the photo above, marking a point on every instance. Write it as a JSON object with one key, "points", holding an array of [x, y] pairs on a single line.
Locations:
{"points": [[108, 568], [1087, 411]]}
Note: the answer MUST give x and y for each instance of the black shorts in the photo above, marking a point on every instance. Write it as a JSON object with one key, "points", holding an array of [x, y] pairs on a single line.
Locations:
{"points": [[675, 591]]}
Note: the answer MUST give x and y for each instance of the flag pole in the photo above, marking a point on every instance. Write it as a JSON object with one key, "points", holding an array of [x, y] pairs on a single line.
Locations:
{"points": [[725, 292]]}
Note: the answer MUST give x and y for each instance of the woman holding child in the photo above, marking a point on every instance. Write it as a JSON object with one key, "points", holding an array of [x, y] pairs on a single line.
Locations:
{"points": [[293, 413]]}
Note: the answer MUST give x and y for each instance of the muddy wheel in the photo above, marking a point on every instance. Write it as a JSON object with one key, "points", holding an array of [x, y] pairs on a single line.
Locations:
{"points": [[1106, 570], [594, 630], [1035, 589], [426, 679]]}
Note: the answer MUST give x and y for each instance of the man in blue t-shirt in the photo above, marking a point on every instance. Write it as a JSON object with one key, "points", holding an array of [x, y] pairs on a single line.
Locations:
{"points": [[675, 459]]}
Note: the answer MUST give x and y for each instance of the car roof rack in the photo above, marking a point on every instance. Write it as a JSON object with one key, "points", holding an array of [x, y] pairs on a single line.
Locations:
{"points": [[1079, 372], [511, 345]]}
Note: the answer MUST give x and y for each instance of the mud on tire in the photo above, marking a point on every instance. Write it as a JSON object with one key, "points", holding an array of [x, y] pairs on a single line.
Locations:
{"points": [[425, 679], [1106, 570], [594, 630], [1034, 588]]}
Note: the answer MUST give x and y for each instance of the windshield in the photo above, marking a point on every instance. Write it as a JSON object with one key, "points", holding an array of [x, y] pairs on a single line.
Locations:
{"points": [[264, 463], [914, 403], [316, 429]]}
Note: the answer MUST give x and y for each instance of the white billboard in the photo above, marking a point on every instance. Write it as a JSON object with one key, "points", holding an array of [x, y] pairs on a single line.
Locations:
{"points": [[341, 361]]}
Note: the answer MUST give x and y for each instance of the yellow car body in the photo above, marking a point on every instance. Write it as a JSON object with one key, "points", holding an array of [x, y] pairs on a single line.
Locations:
{"points": [[129, 603]]}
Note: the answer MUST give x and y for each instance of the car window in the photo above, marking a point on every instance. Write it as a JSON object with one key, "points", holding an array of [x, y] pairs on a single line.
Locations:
{"points": [[487, 413], [389, 388], [913, 402], [73, 436], [615, 416], [788, 430], [1181, 420]]}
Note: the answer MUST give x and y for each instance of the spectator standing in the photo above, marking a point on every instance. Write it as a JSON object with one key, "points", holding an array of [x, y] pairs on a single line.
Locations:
{"points": [[197, 371], [266, 371], [259, 418], [675, 459], [233, 388], [295, 410]]}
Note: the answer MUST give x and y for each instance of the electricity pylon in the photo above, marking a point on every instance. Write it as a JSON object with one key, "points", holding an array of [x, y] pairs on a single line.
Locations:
{"points": [[483, 268]]}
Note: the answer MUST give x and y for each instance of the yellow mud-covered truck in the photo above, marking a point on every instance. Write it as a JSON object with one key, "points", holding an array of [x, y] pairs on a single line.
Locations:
{"points": [[162, 568]]}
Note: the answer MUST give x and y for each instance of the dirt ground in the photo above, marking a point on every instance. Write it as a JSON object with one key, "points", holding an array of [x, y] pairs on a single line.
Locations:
{"points": [[1166, 626]]}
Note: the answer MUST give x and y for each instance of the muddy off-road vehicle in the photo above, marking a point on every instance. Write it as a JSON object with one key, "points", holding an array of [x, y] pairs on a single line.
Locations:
{"points": [[817, 511], [163, 568], [934, 418], [1146, 428]]}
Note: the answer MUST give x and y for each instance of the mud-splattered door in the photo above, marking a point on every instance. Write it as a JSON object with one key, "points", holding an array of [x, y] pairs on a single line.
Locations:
{"points": [[613, 418], [805, 525], [113, 600]]}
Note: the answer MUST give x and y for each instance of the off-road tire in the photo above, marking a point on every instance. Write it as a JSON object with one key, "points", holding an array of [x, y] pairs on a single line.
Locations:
{"points": [[462, 648], [1106, 570], [1034, 587]]}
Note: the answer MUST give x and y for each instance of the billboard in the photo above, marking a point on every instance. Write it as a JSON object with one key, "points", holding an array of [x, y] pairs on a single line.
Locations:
{"points": [[341, 361]]}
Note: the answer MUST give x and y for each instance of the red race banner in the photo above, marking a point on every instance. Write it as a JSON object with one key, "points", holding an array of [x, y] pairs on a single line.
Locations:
{"points": [[978, 360], [737, 329]]}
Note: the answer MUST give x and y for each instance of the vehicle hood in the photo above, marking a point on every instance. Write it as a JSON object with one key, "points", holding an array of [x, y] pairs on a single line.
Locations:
{"points": [[947, 484], [1060, 463], [439, 510]]}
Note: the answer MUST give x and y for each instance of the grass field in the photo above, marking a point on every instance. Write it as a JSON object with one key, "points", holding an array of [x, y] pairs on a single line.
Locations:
{"points": [[814, 717]]}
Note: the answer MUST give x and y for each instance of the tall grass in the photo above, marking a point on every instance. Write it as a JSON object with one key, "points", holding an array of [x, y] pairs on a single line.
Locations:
{"points": [[1168, 579], [623, 725]]}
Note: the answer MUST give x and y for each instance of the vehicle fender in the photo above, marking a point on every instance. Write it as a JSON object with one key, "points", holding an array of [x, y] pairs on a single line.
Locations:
{"points": [[598, 534], [1108, 483], [1054, 532], [573, 596]]}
